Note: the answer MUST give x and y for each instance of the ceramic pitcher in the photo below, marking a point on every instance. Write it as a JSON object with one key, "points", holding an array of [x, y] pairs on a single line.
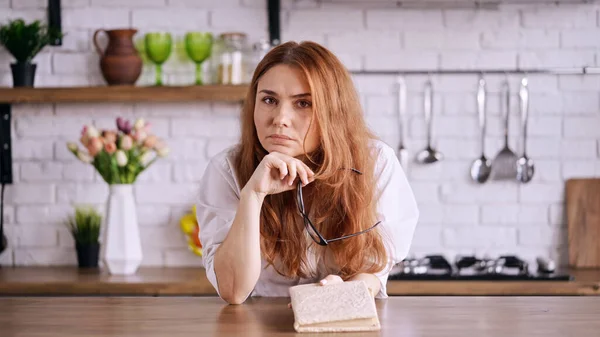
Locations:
{"points": [[120, 62]]}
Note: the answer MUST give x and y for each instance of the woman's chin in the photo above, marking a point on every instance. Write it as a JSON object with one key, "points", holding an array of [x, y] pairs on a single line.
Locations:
{"points": [[290, 151]]}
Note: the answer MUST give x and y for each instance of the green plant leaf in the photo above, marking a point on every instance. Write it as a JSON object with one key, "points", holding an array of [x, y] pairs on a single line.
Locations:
{"points": [[24, 41], [85, 225]]}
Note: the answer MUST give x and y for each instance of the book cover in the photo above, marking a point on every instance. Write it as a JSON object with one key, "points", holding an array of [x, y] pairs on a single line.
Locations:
{"points": [[347, 306]]}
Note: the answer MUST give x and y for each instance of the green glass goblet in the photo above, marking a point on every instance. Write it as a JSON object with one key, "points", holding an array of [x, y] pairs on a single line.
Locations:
{"points": [[198, 46], [158, 48]]}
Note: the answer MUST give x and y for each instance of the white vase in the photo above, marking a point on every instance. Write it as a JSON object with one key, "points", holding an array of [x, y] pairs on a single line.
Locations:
{"points": [[122, 248]]}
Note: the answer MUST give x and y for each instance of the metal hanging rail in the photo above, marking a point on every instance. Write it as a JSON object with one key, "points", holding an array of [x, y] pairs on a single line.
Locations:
{"points": [[550, 71], [453, 4]]}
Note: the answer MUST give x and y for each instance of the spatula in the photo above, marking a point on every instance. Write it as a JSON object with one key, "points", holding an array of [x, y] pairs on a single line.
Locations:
{"points": [[504, 165]]}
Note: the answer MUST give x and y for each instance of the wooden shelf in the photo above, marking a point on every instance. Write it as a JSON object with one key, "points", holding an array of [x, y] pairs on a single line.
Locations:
{"points": [[99, 94], [152, 281]]}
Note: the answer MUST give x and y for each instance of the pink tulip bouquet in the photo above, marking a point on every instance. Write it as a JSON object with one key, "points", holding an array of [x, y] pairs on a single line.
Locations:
{"points": [[119, 155]]}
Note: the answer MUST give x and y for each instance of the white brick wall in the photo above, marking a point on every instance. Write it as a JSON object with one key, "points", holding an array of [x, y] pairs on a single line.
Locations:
{"points": [[403, 20], [95, 17], [520, 39], [568, 17], [173, 18], [457, 216]]}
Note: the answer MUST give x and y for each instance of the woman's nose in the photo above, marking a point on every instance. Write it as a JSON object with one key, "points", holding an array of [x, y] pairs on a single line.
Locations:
{"points": [[282, 115]]}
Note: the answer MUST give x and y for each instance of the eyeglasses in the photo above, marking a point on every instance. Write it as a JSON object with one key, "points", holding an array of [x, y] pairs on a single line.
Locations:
{"points": [[310, 228]]}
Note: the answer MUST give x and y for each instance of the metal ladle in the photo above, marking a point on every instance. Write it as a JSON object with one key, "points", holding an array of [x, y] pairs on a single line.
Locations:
{"points": [[482, 166], [525, 166], [429, 155], [402, 151]]}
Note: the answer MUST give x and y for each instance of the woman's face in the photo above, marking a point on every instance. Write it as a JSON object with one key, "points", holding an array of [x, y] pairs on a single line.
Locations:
{"points": [[283, 112]]}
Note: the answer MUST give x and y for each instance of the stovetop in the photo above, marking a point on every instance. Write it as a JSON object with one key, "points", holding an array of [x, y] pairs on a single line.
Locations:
{"points": [[505, 267]]}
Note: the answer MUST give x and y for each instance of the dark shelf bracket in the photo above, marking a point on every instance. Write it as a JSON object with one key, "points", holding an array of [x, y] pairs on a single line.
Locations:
{"points": [[5, 165], [274, 10], [54, 20], [5, 145]]}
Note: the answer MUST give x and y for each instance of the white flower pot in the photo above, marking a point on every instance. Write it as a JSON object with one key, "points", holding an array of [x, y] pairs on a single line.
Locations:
{"points": [[122, 248]]}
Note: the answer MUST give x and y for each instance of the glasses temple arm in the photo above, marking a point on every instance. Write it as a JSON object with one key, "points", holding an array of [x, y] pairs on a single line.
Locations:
{"points": [[355, 234]]}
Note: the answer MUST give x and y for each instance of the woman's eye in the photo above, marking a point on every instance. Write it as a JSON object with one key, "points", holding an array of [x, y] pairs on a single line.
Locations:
{"points": [[304, 104], [269, 100]]}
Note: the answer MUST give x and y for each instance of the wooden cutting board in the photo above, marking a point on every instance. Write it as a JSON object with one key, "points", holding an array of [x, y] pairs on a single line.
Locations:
{"points": [[583, 221]]}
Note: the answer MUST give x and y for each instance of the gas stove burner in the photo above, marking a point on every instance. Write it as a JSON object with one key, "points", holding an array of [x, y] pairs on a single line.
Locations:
{"points": [[428, 265], [412, 266], [508, 264], [504, 267]]}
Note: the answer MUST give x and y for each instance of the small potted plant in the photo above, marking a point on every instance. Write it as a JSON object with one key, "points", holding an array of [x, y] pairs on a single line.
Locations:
{"points": [[85, 228], [24, 41]]}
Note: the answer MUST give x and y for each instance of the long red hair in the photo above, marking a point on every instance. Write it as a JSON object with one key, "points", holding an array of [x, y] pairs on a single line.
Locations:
{"points": [[346, 200]]}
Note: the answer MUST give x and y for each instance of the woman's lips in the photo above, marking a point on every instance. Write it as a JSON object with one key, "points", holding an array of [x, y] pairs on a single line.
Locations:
{"points": [[280, 139]]}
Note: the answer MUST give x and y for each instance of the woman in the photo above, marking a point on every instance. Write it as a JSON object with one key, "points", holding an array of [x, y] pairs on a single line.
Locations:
{"points": [[306, 170]]}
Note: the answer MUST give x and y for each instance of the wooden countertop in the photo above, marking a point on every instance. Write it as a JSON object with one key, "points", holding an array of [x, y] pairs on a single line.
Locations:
{"points": [[193, 282], [210, 316]]}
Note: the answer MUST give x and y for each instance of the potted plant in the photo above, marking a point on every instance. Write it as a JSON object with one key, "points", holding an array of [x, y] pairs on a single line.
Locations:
{"points": [[120, 155], [24, 41], [85, 228]]}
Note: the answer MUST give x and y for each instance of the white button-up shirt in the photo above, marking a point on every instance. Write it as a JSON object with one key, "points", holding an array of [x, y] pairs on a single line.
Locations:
{"points": [[220, 194]]}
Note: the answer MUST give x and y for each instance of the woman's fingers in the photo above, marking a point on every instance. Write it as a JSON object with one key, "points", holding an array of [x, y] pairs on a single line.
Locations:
{"points": [[331, 279], [303, 174], [310, 172], [283, 169], [310, 175], [292, 169], [307, 175]]}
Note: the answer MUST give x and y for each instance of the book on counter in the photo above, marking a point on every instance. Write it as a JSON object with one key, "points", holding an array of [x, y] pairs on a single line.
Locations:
{"points": [[347, 306]]}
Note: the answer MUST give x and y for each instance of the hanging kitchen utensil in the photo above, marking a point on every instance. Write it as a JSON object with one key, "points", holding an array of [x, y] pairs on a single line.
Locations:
{"points": [[402, 151], [504, 165], [525, 166], [482, 166], [429, 155]]}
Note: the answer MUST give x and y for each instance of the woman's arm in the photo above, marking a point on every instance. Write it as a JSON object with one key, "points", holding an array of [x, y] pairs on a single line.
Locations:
{"points": [[238, 260]]}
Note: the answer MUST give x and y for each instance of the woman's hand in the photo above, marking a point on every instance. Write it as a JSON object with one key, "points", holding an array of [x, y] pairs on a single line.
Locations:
{"points": [[331, 279], [371, 280], [276, 173]]}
